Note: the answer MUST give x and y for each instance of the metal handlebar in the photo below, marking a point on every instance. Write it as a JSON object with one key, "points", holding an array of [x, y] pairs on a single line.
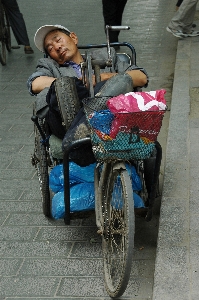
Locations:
{"points": [[112, 28], [90, 64]]}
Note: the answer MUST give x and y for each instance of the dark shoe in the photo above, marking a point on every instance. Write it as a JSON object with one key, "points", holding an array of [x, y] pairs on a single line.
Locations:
{"points": [[15, 47], [193, 25], [28, 50]]}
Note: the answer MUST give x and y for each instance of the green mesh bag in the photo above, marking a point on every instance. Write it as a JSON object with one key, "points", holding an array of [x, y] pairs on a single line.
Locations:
{"points": [[136, 132]]}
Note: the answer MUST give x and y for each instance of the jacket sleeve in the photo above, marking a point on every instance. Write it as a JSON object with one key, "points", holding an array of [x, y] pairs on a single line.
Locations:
{"points": [[118, 65], [45, 67], [121, 67]]}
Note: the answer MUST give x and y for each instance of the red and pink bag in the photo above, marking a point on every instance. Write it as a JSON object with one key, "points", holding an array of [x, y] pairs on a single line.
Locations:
{"points": [[147, 108]]}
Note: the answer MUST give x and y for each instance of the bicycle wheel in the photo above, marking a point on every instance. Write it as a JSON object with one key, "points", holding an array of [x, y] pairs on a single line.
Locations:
{"points": [[118, 235], [41, 164], [7, 34], [3, 54], [2, 38]]}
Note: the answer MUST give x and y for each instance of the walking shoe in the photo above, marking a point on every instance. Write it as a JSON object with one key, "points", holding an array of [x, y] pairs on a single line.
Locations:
{"points": [[177, 33], [192, 33], [28, 50]]}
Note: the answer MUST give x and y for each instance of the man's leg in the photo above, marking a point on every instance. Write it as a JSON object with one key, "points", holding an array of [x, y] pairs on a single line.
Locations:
{"points": [[17, 22], [120, 9], [183, 18], [109, 8], [179, 2], [112, 12]]}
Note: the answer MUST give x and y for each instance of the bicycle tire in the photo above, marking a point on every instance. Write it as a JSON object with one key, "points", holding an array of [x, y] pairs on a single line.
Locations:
{"points": [[118, 235], [100, 181], [41, 165], [7, 34], [67, 99], [2, 39], [3, 53]]}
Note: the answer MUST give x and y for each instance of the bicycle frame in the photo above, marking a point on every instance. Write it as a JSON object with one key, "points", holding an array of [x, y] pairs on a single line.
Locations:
{"points": [[5, 38]]}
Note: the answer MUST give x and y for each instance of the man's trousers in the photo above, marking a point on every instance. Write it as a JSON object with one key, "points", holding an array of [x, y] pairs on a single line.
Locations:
{"points": [[184, 17], [17, 22]]}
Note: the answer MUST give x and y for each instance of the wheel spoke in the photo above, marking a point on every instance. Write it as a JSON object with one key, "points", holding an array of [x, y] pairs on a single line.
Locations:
{"points": [[118, 234]]}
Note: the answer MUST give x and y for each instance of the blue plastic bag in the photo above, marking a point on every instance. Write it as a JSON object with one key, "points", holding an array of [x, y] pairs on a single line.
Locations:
{"points": [[138, 202], [82, 198], [56, 179], [77, 175], [82, 194], [101, 120]]}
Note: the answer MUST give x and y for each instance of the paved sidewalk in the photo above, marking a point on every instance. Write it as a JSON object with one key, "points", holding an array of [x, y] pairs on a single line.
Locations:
{"points": [[177, 258], [45, 259]]}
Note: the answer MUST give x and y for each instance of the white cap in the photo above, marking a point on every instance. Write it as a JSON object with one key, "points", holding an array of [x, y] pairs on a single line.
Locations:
{"points": [[42, 32]]}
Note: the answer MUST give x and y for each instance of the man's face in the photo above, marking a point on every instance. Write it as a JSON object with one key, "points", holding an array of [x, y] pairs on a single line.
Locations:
{"points": [[61, 47]]}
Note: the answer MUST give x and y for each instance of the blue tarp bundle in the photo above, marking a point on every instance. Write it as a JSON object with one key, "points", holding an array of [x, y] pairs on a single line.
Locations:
{"points": [[82, 194]]}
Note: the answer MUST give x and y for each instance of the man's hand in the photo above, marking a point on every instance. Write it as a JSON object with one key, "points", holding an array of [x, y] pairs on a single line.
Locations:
{"points": [[41, 83], [138, 77]]}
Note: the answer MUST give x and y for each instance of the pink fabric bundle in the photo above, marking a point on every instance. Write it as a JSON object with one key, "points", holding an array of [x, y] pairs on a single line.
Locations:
{"points": [[152, 103], [138, 101]]}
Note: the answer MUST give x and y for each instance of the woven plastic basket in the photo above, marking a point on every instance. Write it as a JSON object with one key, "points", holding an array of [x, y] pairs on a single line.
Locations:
{"points": [[123, 136]]}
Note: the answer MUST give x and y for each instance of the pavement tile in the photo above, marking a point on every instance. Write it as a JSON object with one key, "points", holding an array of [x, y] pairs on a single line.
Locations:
{"points": [[62, 267], [31, 286], [14, 233], [20, 206], [9, 267], [10, 173], [86, 286], [73, 233], [23, 249]]}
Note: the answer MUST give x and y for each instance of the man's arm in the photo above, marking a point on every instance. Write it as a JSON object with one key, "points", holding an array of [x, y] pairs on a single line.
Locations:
{"points": [[138, 77], [41, 83], [46, 72]]}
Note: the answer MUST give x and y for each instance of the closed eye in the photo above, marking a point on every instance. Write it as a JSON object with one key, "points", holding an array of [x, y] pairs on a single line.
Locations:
{"points": [[50, 49]]}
